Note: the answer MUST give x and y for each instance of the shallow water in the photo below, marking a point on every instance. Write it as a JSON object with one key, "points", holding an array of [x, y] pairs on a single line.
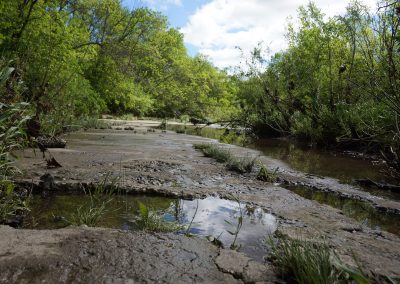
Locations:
{"points": [[211, 219], [305, 159], [361, 211]]}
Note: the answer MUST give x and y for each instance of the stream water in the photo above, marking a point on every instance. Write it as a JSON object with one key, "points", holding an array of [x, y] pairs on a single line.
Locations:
{"points": [[213, 217], [305, 159], [322, 163]]}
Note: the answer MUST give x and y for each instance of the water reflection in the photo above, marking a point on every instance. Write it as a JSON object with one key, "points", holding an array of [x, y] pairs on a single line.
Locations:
{"points": [[361, 211], [210, 219], [302, 158]]}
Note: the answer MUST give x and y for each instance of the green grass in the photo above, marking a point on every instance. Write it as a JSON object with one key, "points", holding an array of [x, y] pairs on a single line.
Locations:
{"points": [[94, 123], [267, 176], [241, 165], [90, 213], [220, 154], [306, 262], [13, 118], [152, 221], [238, 164]]}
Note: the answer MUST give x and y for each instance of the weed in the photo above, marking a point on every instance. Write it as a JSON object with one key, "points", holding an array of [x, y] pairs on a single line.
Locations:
{"points": [[241, 165], [187, 233], [309, 262], [153, 221], [10, 204], [13, 118], [265, 175], [90, 213], [239, 224], [214, 151], [93, 123], [163, 125]]}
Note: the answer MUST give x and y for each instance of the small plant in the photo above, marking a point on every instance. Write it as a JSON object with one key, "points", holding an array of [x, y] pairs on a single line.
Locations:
{"points": [[241, 165], [265, 175], [152, 221], [239, 224], [187, 233], [13, 118], [163, 124], [10, 204], [214, 151], [94, 123], [90, 213], [302, 261]]}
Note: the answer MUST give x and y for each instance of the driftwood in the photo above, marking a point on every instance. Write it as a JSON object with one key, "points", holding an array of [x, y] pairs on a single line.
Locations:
{"points": [[370, 183]]}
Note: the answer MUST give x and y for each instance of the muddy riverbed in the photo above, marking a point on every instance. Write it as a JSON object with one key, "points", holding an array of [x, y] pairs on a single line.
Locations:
{"points": [[152, 162]]}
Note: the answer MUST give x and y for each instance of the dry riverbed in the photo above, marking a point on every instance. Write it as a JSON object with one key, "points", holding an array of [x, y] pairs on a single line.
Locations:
{"points": [[165, 163]]}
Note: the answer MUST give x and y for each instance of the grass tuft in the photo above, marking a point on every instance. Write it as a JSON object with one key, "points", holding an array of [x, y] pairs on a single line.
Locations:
{"points": [[241, 165], [152, 221], [308, 262], [267, 176], [220, 154]]}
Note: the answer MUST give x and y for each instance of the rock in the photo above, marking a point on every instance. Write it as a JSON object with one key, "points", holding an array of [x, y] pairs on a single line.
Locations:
{"points": [[46, 182], [243, 267], [51, 142]]}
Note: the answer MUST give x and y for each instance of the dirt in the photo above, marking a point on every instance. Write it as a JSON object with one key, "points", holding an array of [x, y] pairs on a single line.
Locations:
{"points": [[165, 163]]}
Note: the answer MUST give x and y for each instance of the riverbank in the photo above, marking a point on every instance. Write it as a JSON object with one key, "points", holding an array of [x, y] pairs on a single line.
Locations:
{"points": [[165, 163]]}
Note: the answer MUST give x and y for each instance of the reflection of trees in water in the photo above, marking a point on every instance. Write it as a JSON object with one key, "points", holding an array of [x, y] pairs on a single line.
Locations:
{"points": [[361, 211]]}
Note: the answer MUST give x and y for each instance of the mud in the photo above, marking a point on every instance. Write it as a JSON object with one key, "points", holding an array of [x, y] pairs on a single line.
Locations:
{"points": [[165, 163]]}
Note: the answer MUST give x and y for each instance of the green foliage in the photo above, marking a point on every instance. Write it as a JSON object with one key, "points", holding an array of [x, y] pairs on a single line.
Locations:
{"points": [[94, 123], [214, 151], [265, 175], [241, 165], [10, 204], [238, 164], [13, 119], [153, 221], [80, 58], [236, 228], [90, 213], [311, 262], [337, 82]]}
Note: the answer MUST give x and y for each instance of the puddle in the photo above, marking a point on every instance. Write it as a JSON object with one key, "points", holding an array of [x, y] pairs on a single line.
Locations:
{"points": [[210, 219], [361, 211]]}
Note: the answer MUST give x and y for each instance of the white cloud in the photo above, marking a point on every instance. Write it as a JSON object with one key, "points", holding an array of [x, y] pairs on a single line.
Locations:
{"points": [[162, 4], [220, 25]]}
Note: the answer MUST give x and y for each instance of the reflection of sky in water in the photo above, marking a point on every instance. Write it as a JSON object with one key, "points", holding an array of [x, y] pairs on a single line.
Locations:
{"points": [[210, 219], [211, 216]]}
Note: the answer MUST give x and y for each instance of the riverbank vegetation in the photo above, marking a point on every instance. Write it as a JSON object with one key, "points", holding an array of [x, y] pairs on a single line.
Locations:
{"points": [[337, 83], [74, 59]]}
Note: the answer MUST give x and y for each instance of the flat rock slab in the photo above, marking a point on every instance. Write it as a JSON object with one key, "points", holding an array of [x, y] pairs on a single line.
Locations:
{"points": [[166, 164], [93, 255]]}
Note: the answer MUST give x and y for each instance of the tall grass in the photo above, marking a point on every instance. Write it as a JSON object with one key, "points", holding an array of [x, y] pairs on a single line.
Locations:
{"points": [[152, 221], [220, 154], [306, 262], [13, 118], [241, 165], [90, 213], [238, 164]]}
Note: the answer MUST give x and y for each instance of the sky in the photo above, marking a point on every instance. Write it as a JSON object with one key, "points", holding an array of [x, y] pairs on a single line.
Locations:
{"points": [[216, 27]]}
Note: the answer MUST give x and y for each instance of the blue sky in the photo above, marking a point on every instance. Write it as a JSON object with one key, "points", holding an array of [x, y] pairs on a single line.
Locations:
{"points": [[216, 27]]}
